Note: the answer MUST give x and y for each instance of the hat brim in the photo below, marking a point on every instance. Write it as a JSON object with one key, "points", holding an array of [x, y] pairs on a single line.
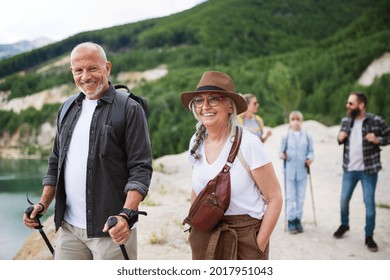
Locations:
{"points": [[239, 101]]}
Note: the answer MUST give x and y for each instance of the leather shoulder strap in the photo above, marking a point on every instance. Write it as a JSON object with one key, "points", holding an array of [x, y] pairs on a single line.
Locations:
{"points": [[234, 149]]}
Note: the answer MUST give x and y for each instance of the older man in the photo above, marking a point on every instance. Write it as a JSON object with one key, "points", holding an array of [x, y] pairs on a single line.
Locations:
{"points": [[94, 172]]}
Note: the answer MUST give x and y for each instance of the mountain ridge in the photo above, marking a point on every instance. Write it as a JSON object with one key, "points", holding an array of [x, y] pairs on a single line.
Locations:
{"points": [[9, 50]]}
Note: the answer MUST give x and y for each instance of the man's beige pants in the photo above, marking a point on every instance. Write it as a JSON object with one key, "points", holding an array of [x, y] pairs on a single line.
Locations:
{"points": [[73, 244]]}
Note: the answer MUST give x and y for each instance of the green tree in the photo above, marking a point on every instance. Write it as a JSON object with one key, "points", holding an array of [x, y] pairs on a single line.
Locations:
{"points": [[287, 91]]}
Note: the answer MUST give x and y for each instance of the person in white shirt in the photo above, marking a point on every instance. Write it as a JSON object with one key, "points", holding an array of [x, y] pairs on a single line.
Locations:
{"points": [[256, 200], [94, 172]]}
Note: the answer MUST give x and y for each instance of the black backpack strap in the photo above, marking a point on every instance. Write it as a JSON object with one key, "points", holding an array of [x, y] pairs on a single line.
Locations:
{"points": [[118, 115], [122, 87], [142, 101], [65, 109], [118, 111]]}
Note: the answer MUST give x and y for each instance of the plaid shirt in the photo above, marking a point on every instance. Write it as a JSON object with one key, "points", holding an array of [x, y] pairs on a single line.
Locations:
{"points": [[371, 152]]}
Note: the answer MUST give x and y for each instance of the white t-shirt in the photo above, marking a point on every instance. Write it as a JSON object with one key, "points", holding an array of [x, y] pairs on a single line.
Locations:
{"points": [[356, 162], [245, 195], [76, 167], [253, 126]]}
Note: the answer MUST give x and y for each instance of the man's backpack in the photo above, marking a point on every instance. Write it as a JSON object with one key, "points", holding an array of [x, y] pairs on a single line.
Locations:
{"points": [[139, 99], [118, 121]]}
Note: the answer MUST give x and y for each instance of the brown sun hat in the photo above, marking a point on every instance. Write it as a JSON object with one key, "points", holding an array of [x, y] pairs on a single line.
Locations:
{"points": [[218, 82]]}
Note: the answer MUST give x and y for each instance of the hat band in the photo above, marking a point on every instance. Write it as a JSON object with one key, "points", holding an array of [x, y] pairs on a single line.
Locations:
{"points": [[209, 88]]}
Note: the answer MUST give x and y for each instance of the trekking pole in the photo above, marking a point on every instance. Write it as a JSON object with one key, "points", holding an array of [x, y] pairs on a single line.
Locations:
{"points": [[111, 222], [40, 226], [312, 195], [285, 196], [285, 180]]}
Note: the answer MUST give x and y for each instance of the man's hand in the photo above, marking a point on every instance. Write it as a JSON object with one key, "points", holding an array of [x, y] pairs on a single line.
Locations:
{"points": [[308, 162], [342, 136], [370, 137], [120, 232], [29, 219]]}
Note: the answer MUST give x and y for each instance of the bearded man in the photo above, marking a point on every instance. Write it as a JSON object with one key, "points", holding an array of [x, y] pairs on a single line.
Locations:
{"points": [[362, 134]]}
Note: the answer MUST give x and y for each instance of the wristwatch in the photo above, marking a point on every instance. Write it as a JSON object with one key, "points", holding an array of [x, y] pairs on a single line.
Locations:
{"points": [[132, 216], [130, 213]]}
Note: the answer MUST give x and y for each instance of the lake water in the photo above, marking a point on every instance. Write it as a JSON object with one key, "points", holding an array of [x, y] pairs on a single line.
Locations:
{"points": [[17, 178]]}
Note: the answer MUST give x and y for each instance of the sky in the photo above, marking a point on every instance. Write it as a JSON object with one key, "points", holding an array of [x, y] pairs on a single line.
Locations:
{"points": [[60, 19]]}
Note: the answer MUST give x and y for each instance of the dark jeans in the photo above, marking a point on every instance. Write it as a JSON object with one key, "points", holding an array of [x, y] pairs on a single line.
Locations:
{"points": [[350, 180]]}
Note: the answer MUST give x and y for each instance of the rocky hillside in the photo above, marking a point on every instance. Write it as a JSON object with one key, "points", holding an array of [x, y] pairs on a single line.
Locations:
{"points": [[314, 48], [375, 70], [9, 143]]}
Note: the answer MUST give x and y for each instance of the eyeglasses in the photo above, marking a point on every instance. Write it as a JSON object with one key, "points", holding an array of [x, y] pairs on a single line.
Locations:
{"points": [[212, 100], [295, 119]]}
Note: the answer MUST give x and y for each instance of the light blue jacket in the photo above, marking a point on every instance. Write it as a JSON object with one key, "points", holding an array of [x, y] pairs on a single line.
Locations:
{"points": [[298, 151]]}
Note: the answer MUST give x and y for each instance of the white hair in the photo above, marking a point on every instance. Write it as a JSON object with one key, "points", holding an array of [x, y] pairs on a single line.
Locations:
{"points": [[89, 45]]}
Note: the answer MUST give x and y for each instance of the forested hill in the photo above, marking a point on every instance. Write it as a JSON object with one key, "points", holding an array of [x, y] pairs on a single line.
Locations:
{"points": [[305, 55]]}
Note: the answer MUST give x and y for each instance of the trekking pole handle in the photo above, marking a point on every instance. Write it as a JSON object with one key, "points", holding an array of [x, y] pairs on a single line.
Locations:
{"points": [[111, 222], [28, 212], [29, 209]]}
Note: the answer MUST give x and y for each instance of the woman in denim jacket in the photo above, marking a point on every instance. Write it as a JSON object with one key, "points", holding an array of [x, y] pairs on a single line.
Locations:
{"points": [[296, 151]]}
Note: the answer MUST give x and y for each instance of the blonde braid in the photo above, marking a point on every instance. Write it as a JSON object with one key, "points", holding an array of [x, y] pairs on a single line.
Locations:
{"points": [[199, 138]]}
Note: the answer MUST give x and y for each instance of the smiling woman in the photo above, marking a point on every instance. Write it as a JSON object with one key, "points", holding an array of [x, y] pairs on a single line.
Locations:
{"points": [[253, 192]]}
